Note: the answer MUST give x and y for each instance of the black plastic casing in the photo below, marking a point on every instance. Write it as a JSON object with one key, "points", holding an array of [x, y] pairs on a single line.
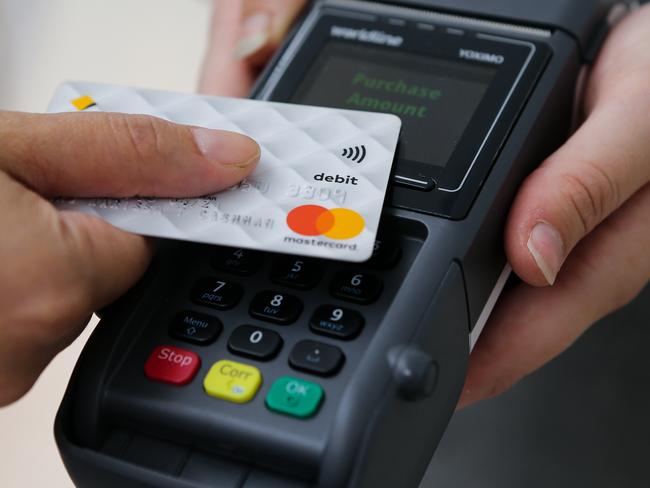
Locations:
{"points": [[380, 427], [586, 21]]}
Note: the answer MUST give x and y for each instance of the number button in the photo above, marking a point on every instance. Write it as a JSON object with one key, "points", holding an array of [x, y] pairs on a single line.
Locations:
{"points": [[254, 342], [216, 293], [386, 252], [277, 307], [195, 327], [333, 321], [356, 287], [316, 358], [295, 272], [243, 262]]}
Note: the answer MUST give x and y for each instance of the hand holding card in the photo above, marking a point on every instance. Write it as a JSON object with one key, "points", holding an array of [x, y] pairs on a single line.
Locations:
{"points": [[59, 267], [318, 189]]}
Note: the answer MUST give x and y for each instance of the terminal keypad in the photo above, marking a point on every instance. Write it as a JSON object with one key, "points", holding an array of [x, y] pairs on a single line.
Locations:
{"points": [[246, 300]]}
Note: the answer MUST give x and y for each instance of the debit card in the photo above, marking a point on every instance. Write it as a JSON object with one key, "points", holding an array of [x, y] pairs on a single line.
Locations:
{"points": [[318, 189]]}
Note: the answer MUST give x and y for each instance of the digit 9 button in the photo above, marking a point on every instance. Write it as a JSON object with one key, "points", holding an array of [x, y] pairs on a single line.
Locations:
{"points": [[337, 322]]}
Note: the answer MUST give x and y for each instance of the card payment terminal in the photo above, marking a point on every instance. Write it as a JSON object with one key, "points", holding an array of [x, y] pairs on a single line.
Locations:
{"points": [[294, 372]]}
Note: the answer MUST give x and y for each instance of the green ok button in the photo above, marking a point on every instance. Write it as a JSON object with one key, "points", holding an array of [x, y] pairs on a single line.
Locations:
{"points": [[295, 397]]}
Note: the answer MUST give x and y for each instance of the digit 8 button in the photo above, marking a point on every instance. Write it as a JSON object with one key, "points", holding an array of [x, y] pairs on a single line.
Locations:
{"points": [[276, 306]]}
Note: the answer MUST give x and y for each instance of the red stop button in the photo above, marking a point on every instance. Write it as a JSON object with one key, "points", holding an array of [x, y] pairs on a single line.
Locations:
{"points": [[172, 365]]}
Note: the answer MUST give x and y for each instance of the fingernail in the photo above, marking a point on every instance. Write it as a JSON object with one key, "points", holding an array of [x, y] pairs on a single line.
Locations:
{"points": [[256, 34], [227, 148], [546, 246]]}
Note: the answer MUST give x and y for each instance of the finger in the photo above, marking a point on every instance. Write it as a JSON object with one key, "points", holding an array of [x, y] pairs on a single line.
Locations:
{"points": [[604, 163], [107, 154], [598, 169], [245, 33], [264, 27], [222, 73], [58, 270], [531, 325]]}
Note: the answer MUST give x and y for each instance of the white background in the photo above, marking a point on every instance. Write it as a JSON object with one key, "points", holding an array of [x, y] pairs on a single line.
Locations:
{"points": [[151, 43]]}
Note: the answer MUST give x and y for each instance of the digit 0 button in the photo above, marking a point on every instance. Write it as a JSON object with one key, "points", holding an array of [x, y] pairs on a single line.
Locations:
{"points": [[172, 365], [291, 396], [254, 342], [231, 381]]}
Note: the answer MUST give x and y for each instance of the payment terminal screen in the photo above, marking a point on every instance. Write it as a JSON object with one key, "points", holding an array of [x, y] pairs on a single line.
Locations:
{"points": [[435, 98]]}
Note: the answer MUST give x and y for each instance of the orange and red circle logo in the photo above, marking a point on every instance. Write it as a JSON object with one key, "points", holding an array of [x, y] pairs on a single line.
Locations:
{"points": [[314, 220]]}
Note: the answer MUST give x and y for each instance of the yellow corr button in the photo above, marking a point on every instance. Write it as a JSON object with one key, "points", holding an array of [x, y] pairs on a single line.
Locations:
{"points": [[232, 381]]}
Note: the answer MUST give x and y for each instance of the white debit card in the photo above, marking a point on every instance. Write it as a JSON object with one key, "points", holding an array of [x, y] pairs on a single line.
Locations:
{"points": [[318, 189]]}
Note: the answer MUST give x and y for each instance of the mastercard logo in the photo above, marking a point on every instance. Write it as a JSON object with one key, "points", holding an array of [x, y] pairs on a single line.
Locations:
{"points": [[336, 223]]}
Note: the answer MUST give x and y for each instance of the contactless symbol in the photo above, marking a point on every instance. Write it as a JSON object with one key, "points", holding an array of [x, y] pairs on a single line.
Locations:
{"points": [[314, 220], [355, 153], [83, 102]]}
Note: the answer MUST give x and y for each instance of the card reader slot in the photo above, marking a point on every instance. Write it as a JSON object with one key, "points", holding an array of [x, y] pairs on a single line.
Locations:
{"points": [[424, 184]]}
